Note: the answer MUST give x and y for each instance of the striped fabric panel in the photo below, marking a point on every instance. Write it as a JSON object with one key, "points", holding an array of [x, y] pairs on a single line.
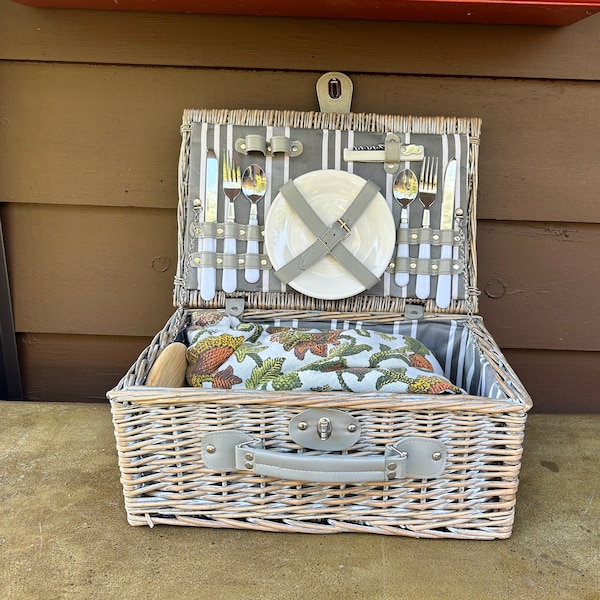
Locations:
{"points": [[323, 149]]}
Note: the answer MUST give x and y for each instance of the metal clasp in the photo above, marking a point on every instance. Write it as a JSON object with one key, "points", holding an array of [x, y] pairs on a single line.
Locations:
{"points": [[344, 225], [324, 428]]}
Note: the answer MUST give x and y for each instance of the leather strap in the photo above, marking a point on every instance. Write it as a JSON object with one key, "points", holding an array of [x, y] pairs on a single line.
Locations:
{"points": [[328, 236], [411, 457]]}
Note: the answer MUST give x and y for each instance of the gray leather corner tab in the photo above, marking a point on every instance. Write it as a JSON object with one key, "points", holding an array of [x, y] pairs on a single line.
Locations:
{"points": [[426, 458], [218, 449]]}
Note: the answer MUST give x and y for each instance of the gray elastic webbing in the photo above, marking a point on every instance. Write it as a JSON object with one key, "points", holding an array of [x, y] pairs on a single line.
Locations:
{"points": [[328, 236]]}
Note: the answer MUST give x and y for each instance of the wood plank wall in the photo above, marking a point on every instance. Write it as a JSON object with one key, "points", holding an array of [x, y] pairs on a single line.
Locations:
{"points": [[90, 107]]}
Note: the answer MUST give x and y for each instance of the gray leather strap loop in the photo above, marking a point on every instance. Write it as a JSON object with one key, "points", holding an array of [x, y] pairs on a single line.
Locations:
{"points": [[328, 236]]}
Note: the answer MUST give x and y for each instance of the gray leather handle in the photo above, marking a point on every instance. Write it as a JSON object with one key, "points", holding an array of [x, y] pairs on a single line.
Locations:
{"points": [[411, 457], [331, 468]]}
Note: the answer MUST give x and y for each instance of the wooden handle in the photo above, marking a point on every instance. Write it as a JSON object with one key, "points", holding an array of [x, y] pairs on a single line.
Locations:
{"points": [[169, 368]]}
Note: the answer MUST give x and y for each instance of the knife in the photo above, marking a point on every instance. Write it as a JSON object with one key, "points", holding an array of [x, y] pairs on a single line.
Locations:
{"points": [[444, 283], [208, 275]]}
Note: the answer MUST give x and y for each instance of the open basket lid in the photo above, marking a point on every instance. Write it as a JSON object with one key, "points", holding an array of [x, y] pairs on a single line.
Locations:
{"points": [[324, 161]]}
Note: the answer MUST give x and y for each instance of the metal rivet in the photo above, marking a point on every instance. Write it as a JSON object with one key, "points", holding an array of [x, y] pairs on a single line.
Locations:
{"points": [[197, 202], [243, 146], [303, 425], [263, 262], [392, 474], [219, 261], [437, 456], [248, 465], [242, 232], [456, 267], [391, 165], [211, 449], [436, 237], [434, 267], [197, 230], [392, 265], [197, 260], [241, 261], [249, 456], [457, 238], [352, 428], [392, 467], [460, 212], [219, 230], [413, 265], [414, 236], [262, 232]]}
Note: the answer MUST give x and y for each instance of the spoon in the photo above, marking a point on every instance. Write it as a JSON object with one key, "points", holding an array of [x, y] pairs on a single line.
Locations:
{"points": [[405, 190], [254, 186]]}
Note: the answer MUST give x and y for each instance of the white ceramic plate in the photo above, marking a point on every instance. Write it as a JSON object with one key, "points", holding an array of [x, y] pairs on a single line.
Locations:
{"points": [[330, 193]]}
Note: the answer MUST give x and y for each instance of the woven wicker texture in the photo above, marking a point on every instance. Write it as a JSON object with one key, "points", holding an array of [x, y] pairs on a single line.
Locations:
{"points": [[164, 480]]}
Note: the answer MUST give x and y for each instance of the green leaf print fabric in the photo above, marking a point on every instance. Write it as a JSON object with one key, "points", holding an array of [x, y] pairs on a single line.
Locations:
{"points": [[226, 353]]}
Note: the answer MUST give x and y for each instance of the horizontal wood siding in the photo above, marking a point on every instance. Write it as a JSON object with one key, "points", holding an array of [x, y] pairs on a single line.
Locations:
{"points": [[90, 107]]}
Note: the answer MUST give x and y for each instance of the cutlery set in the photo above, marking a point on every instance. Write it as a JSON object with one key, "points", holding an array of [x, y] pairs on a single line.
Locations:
{"points": [[253, 185], [408, 187]]}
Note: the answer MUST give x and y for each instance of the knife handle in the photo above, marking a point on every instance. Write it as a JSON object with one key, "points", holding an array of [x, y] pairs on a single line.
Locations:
{"points": [[444, 283], [252, 275], [402, 279], [229, 279], [423, 283], [208, 275]]}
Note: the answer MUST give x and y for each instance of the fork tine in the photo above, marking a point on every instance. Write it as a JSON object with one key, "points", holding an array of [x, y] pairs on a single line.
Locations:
{"points": [[238, 173], [231, 168], [429, 175]]}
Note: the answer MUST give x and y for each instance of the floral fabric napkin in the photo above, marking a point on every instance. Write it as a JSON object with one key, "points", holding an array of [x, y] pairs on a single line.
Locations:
{"points": [[226, 353]]}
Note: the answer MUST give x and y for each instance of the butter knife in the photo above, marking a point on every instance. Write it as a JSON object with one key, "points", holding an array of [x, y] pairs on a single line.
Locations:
{"points": [[444, 282], [208, 275]]}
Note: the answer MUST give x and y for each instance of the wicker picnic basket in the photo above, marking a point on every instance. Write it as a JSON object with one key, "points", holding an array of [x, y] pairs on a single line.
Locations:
{"points": [[232, 458]]}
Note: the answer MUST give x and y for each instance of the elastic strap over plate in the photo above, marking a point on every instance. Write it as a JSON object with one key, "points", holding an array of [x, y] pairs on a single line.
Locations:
{"points": [[328, 236]]}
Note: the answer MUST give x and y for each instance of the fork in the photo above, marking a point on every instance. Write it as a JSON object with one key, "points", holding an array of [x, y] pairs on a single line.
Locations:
{"points": [[232, 186], [427, 192]]}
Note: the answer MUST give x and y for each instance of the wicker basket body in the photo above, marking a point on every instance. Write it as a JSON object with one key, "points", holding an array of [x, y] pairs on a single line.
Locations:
{"points": [[160, 431]]}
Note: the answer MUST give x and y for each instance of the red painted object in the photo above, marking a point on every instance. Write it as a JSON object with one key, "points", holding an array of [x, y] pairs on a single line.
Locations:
{"points": [[514, 12]]}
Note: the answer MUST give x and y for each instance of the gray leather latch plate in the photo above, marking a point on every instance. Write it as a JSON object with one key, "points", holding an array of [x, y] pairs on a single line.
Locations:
{"points": [[324, 429]]}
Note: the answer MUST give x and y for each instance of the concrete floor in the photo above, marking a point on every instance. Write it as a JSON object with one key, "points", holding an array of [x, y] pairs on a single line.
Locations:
{"points": [[63, 532]]}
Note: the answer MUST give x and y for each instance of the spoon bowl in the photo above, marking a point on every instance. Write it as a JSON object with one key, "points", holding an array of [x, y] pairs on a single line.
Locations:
{"points": [[405, 190], [254, 187], [406, 187]]}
